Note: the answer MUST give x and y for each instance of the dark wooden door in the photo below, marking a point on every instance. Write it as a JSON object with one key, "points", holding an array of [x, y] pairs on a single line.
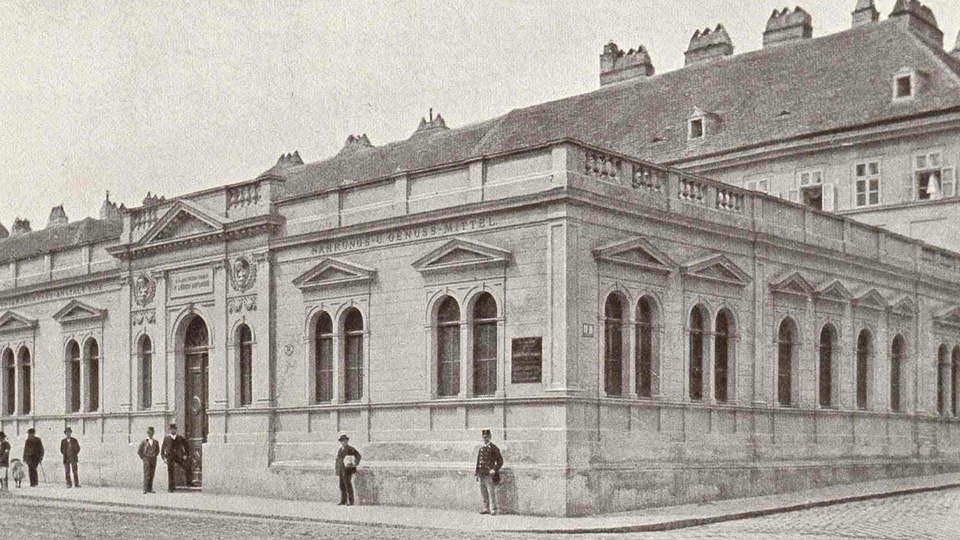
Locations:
{"points": [[195, 409]]}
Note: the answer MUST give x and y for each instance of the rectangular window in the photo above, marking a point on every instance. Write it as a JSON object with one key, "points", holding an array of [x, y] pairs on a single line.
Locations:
{"points": [[762, 186], [867, 184], [354, 364], [931, 180], [696, 129], [904, 85]]}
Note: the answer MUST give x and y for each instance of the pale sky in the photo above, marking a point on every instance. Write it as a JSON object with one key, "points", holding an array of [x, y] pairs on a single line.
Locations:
{"points": [[173, 97]]}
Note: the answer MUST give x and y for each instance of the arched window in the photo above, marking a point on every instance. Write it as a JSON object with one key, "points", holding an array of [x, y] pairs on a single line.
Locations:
{"points": [[26, 373], [722, 356], [9, 383], [145, 353], [448, 348], [73, 376], [864, 354], [828, 339], [92, 361], [353, 355], [786, 358], [898, 352], [245, 367], [485, 346], [613, 345], [955, 379], [697, 348], [943, 369], [323, 361], [646, 324]]}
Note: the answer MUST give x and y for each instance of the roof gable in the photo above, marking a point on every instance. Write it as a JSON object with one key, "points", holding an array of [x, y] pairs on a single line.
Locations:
{"points": [[183, 219], [331, 272], [77, 311], [904, 307], [461, 253], [639, 253], [11, 322], [793, 283], [833, 291], [717, 268]]}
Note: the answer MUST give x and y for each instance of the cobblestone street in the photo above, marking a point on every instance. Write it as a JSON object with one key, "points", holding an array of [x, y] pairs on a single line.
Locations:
{"points": [[933, 515]]}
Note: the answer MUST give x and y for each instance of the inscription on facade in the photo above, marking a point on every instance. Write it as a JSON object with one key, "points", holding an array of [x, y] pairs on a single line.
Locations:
{"points": [[405, 234], [527, 360], [191, 283], [55, 294]]}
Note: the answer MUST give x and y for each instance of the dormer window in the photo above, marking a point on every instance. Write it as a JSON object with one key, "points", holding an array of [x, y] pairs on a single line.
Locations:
{"points": [[904, 86], [696, 129]]}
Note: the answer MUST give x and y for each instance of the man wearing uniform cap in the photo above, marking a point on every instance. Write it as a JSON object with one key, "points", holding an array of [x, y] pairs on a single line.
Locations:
{"points": [[347, 460], [489, 462]]}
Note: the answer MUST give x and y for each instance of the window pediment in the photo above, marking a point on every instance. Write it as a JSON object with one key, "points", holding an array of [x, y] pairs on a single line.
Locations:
{"points": [[639, 253], [77, 311], [949, 317], [792, 284], [833, 291], [11, 322], [872, 300], [717, 268], [905, 307], [331, 272], [460, 253]]}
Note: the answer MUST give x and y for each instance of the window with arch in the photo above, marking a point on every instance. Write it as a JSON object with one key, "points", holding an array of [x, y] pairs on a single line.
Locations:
{"points": [[323, 359], [898, 353], [827, 346], [25, 363], [955, 379], [723, 356], [245, 364], [864, 354], [73, 376], [9, 383], [786, 358], [943, 369], [353, 354], [92, 361], [646, 326], [145, 355], [485, 345], [698, 338], [448, 348], [613, 345]]}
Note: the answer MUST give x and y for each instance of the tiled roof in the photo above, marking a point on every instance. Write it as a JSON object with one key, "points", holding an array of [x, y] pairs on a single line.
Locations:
{"points": [[78, 233], [834, 82]]}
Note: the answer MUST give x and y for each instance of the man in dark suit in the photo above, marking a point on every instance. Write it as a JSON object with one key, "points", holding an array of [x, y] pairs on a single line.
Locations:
{"points": [[347, 460], [33, 455], [70, 448], [489, 462], [148, 451], [174, 453]]}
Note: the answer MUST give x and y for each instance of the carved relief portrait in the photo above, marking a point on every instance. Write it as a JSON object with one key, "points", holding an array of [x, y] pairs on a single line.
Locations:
{"points": [[243, 274], [144, 289]]}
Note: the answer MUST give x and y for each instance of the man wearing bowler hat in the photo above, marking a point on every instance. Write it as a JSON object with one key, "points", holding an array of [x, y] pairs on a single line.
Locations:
{"points": [[174, 452], [148, 451], [347, 460], [70, 449], [489, 462]]}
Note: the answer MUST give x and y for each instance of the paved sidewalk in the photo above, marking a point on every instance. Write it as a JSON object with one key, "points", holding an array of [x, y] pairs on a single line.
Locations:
{"points": [[654, 519]]}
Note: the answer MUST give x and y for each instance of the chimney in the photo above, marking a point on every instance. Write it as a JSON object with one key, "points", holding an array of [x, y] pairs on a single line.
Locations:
{"points": [[20, 226], [354, 143], [865, 13], [426, 127], [784, 27], [3, 232], [616, 66], [706, 46], [919, 19], [58, 217]]}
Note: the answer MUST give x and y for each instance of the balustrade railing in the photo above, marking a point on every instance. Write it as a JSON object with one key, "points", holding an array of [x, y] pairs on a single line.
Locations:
{"points": [[692, 190], [144, 217], [648, 178], [243, 196], [603, 167]]}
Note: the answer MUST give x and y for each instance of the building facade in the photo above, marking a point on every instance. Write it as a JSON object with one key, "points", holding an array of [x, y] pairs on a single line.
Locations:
{"points": [[634, 334]]}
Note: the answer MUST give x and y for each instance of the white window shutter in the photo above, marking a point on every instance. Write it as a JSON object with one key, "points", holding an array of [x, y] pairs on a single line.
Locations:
{"points": [[948, 182], [909, 188], [794, 195], [829, 197]]}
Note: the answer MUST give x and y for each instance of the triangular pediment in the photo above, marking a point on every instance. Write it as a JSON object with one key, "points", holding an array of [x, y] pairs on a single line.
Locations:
{"points": [[792, 283], [905, 307], [637, 252], [833, 291], [871, 299], [461, 253], [717, 268], [76, 311], [332, 272], [949, 317], [14, 322], [183, 220]]}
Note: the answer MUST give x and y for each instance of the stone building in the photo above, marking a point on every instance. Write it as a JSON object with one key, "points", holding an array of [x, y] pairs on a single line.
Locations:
{"points": [[634, 334]]}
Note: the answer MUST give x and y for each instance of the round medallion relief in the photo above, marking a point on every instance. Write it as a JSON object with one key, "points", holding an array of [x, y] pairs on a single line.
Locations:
{"points": [[143, 289], [243, 273]]}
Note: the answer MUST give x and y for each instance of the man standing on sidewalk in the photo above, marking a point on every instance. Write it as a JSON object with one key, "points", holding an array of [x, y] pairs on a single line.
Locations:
{"points": [[70, 448], [487, 472], [33, 455], [347, 460], [4, 460], [174, 452], [148, 452]]}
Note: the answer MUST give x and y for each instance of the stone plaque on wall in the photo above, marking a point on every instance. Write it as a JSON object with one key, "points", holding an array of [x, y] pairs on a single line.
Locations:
{"points": [[527, 360], [191, 283]]}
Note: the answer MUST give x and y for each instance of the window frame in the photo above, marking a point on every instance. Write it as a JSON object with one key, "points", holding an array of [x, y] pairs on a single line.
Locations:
{"points": [[354, 358], [909, 76], [244, 358], [699, 133], [863, 368], [480, 327], [447, 337], [866, 178]]}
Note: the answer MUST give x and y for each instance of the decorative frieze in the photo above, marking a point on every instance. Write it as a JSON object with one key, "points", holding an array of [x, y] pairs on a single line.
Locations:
{"points": [[143, 317], [242, 303]]}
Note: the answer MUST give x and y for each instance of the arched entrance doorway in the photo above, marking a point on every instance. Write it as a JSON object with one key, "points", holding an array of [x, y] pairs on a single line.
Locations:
{"points": [[196, 346]]}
